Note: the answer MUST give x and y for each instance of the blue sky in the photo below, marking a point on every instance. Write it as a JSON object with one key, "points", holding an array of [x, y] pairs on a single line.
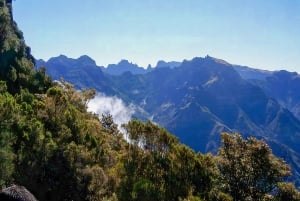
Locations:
{"points": [[257, 33]]}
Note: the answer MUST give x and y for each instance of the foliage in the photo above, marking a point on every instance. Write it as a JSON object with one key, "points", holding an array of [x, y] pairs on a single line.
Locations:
{"points": [[248, 168], [158, 167], [287, 191], [51, 145]]}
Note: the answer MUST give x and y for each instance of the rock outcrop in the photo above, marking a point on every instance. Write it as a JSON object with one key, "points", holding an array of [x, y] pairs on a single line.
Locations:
{"points": [[16, 193]]}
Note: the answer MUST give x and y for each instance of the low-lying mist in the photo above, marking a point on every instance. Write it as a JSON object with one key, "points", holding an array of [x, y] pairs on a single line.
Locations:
{"points": [[103, 104]]}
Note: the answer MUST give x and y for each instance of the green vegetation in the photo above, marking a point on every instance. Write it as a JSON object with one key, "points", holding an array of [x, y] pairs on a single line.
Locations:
{"points": [[59, 151], [248, 169]]}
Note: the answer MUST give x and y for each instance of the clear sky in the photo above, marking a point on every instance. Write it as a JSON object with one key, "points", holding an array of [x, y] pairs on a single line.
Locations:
{"points": [[257, 33]]}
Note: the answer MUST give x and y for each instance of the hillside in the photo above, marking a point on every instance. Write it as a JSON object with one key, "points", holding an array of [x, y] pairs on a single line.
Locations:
{"points": [[283, 86], [203, 97], [59, 151]]}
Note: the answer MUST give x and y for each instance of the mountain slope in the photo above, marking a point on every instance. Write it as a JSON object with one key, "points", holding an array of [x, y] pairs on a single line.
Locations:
{"points": [[122, 67], [52, 145], [251, 73], [280, 85], [204, 95], [49, 142], [201, 98], [284, 87], [82, 72]]}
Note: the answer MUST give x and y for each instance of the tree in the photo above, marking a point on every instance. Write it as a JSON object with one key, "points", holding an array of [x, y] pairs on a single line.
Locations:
{"points": [[158, 167], [248, 168], [287, 191], [39, 81], [49, 142], [109, 125], [16, 61]]}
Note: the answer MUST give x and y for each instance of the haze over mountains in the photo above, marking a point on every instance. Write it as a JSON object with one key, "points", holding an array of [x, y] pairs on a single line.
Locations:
{"points": [[198, 99], [54, 144]]}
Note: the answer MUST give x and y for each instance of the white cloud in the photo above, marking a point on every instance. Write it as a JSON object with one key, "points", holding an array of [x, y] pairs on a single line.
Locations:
{"points": [[103, 104]]}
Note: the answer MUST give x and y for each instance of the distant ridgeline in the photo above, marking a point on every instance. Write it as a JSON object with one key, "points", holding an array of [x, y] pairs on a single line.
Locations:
{"points": [[198, 99], [55, 148]]}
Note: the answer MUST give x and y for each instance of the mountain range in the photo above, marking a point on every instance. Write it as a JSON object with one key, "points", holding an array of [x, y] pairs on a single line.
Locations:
{"points": [[198, 99]]}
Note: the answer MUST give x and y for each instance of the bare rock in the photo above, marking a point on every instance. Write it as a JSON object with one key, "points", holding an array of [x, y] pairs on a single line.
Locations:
{"points": [[16, 193]]}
